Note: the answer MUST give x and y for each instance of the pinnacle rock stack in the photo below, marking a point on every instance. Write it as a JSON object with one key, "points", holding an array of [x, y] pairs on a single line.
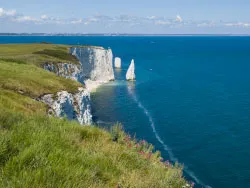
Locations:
{"points": [[118, 63], [130, 76]]}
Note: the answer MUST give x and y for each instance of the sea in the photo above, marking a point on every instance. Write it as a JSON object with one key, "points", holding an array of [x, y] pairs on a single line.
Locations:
{"points": [[191, 100]]}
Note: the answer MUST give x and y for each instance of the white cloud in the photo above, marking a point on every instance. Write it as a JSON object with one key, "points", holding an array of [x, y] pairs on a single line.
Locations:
{"points": [[238, 24], [44, 17], [160, 22], [11, 13], [151, 17], [124, 20], [207, 24], [4, 12], [26, 19], [179, 18], [76, 21], [93, 19], [1, 11]]}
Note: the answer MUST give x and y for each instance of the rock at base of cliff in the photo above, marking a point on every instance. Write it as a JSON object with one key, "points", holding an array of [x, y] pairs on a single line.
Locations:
{"points": [[130, 76], [118, 62]]}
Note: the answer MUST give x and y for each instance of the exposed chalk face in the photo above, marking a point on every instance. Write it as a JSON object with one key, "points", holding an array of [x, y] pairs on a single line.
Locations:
{"points": [[65, 70], [118, 62], [96, 63], [95, 68], [130, 75], [73, 106]]}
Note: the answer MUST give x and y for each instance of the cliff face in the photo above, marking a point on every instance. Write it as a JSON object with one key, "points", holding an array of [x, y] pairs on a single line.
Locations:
{"points": [[96, 63], [73, 106], [65, 70], [95, 67]]}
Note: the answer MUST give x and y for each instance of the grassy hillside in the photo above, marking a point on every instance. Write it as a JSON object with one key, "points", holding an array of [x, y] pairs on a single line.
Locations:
{"points": [[38, 151], [32, 80], [36, 53]]}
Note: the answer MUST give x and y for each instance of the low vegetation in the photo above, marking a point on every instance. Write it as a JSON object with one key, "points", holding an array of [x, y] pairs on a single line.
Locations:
{"points": [[49, 152], [37, 54], [58, 53], [38, 151], [31, 80]]}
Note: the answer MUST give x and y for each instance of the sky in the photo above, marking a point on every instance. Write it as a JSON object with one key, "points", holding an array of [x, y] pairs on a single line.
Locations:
{"points": [[127, 16]]}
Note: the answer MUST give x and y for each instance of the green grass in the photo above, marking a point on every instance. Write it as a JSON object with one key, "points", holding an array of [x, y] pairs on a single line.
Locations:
{"points": [[38, 151], [58, 53], [37, 53], [32, 80], [14, 102]]}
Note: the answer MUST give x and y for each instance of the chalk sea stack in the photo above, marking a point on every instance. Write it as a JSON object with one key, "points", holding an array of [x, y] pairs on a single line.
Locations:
{"points": [[130, 75], [118, 62]]}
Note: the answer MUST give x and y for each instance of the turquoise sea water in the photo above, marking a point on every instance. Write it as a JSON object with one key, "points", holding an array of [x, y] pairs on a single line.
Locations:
{"points": [[191, 100]]}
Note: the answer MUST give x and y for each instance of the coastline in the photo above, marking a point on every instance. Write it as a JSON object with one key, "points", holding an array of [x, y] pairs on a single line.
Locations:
{"points": [[58, 147], [91, 86]]}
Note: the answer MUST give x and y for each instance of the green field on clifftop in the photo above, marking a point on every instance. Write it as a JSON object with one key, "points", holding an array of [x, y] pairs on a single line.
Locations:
{"points": [[38, 151]]}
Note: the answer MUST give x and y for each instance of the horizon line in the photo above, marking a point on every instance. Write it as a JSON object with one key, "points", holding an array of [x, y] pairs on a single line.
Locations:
{"points": [[116, 34]]}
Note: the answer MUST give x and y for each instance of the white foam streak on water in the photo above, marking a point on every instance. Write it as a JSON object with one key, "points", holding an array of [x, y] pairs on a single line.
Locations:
{"points": [[166, 148]]}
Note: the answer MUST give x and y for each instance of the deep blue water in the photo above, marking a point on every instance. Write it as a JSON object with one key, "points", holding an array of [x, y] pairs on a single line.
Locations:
{"points": [[191, 100]]}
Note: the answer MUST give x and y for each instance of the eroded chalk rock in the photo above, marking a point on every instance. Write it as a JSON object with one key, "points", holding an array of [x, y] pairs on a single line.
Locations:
{"points": [[73, 106], [130, 75], [118, 62]]}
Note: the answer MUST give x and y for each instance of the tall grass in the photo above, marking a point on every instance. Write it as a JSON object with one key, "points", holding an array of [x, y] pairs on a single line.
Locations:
{"points": [[37, 151], [32, 80]]}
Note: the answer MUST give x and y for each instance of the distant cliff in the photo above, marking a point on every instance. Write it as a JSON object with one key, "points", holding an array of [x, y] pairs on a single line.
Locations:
{"points": [[96, 63]]}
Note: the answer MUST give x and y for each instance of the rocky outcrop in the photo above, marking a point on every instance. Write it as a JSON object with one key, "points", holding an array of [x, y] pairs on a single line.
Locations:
{"points": [[130, 75], [96, 63], [66, 70], [118, 63], [95, 68], [73, 106]]}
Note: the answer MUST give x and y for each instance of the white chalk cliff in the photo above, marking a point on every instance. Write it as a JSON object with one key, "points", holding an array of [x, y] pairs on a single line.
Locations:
{"points": [[130, 75], [118, 62], [95, 68], [66, 70], [96, 63], [73, 106]]}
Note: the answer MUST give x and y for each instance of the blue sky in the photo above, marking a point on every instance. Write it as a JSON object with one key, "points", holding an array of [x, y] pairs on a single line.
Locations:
{"points": [[127, 16]]}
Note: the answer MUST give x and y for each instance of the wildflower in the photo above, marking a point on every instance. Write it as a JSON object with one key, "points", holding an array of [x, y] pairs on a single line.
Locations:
{"points": [[143, 142], [127, 139], [166, 163], [149, 155], [141, 152]]}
